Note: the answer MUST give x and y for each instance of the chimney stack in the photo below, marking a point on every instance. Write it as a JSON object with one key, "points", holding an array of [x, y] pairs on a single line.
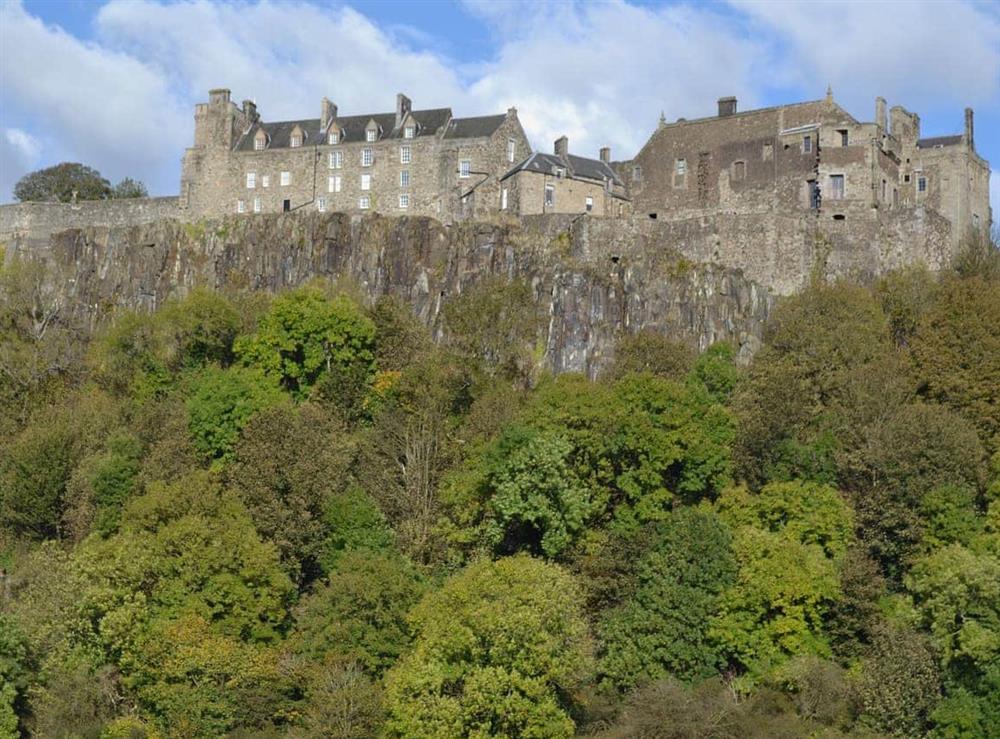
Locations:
{"points": [[562, 146], [880, 120], [327, 112], [968, 129], [606, 154], [727, 106], [218, 96], [250, 111], [403, 107]]}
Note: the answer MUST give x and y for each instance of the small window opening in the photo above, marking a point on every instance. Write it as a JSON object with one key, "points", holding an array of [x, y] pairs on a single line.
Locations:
{"points": [[286, 205], [652, 216], [843, 137], [840, 217], [807, 144]]}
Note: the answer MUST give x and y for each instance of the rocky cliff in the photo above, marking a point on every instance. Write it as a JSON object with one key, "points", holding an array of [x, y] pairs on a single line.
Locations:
{"points": [[594, 286]]}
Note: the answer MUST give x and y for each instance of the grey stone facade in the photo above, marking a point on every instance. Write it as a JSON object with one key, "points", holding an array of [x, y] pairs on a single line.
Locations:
{"points": [[406, 162]]}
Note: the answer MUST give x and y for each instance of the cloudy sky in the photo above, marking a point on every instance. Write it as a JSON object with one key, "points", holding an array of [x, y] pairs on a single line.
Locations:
{"points": [[114, 84]]}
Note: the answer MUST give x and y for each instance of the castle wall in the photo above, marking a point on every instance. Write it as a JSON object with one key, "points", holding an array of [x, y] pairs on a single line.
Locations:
{"points": [[526, 195], [41, 219]]}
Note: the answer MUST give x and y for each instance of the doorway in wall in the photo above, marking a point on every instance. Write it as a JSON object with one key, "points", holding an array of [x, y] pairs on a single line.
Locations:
{"points": [[286, 205]]}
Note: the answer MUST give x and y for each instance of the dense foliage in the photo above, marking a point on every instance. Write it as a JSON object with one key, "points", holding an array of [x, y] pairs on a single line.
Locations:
{"points": [[68, 180], [300, 517]]}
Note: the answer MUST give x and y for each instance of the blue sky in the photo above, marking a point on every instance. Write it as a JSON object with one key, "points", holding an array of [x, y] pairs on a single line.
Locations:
{"points": [[113, 84]]}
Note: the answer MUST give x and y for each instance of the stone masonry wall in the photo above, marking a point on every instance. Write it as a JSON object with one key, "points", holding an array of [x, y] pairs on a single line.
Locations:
{"points": [[42, 219]]}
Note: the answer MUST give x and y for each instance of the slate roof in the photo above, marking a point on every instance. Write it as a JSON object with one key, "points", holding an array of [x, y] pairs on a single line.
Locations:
{"points": [[576, 167], [939, 141], [475, 127], [353, 128]]}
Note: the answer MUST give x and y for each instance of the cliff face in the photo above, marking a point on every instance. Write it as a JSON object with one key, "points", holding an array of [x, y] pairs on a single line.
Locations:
{"points": [[593, 287]]}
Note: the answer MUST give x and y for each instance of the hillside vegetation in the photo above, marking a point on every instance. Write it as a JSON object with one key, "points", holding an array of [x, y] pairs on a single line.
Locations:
{"points": [[295, 516]]}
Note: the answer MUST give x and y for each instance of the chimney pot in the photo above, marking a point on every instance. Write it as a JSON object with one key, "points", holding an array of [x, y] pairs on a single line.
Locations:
{"points": [[561, 147], [727, 106], [606, 154]]}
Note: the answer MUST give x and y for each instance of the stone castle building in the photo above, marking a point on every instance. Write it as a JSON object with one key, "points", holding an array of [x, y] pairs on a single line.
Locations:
{"points": [[813, 162], [405, 162]]}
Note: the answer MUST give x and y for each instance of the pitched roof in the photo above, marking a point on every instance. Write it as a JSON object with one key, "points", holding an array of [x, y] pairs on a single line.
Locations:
{"points": [[352, 128], [576, 167], [939, 141], [475, 127]]}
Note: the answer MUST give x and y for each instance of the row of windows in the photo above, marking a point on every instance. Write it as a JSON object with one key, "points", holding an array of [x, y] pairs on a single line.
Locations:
{"points": [[334, 183], [285, 178], [364, 203], [550, 199]]}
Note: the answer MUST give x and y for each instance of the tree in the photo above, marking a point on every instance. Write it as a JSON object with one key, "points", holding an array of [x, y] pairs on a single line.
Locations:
{"points": [[648, 351], [342, 702], [60, 182], [222, 402], [13, 675], [304, 335], [500, 650], [663, 630], [359, 615], [129, 188]]}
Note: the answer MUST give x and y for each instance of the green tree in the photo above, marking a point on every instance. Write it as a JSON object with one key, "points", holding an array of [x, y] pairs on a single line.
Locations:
{"points": [[128, 188], [648, 351], [14, 675], [353, 521], [222, 402], [663, 630], [359, 614], [342, 702], [715, 369], [304, 335], [60, 182], [500, 650]]}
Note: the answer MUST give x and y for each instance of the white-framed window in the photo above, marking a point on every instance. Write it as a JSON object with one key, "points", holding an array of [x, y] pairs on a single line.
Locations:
{"points": [[256, 205], [336, 159], [265, 180], [259, 143], [296, 140], [366, 182], [681, 166], [465, 168], [333, 138], [511, 149], [367, 156], [503, 199], [364, 202], [404, 178], [335, 183], [921, 184], [836, 187], [251, 180], [589, 201], [371, 135], [286, 179], [405, 155], [321, 205], [739, 170], [329, 183], [807, 144], [241, 206], [560, 172], [637, 173], [550, 195], [409, 132], [404, 200]]}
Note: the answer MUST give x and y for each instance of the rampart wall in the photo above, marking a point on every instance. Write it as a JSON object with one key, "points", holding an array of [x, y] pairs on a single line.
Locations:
{"points": [[41, 219]]}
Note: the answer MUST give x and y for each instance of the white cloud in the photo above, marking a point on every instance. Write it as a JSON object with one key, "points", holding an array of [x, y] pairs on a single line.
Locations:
{"points": [[18, 154]]}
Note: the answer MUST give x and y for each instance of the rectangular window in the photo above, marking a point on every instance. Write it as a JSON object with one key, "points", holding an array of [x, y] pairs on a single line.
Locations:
{"points": [[637, 173], [906, 178], [331, 182], [503, 199], [843, 137], [464, 168], [336, 159], [511, 149], [333, 138], [296, 140], [589, 204], [883, 189], [337, 182], [922, 184], [681, 166], [767, 153], [286, 178], [265, 180], [975, 221], [404, 154], [258, 143], [366, 182], [404, 200], [409, 131], [404, 178], [560, 172], [739, 170], [837, 186], [550, 195], [814, 198], [256, 205], [367, 157], [807, 144], [251, 180], [364, 202], [321, 205], [241, 206], [371, 135]]}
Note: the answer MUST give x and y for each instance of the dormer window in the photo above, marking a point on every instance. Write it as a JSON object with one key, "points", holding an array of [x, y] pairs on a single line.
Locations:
{"points": [[560, 172], [371, 135], [260, 141], [333, 138], [295, 140], [409, 132]]}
